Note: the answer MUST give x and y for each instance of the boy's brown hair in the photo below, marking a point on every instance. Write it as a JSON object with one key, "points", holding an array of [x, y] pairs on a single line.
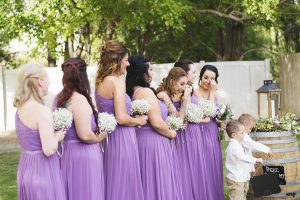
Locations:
{"points": [[233, 126], [247, 119]]}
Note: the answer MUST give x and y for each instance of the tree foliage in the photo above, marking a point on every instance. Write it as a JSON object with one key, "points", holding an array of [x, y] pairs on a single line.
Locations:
{"points": [[163, 30]]}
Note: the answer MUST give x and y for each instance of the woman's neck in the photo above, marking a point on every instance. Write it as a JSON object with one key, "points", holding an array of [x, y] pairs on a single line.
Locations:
{"points": [[204, 93], [176, 97]]}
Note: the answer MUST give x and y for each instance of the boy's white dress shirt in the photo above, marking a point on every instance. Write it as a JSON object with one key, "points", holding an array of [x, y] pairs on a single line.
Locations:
{"points": [[237, 162], [250, 145]]}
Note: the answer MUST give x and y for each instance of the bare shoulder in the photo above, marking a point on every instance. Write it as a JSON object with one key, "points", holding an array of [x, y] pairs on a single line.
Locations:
{"points": [[43, 111], [77, 100], [112, 82], [146, 92]]}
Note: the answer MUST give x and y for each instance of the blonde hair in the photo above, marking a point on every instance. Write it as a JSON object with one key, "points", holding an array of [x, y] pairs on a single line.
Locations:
{"points": [[111, 55], [247, 120], [233, 126], [27, 83], [168, 83]]}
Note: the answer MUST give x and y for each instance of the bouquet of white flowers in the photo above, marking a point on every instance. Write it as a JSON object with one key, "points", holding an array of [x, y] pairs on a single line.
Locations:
{"points": [[140, 107], [106, 122], [174, 123], [224, 112], [194, 113], [62, 119], [208, 108]]}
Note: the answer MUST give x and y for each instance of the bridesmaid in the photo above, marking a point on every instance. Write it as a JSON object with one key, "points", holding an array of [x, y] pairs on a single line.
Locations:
{"points": [[154, 137], [121, 164], [208, 80], [82, 161], [38, 175], [193, 147], [175, 87]]}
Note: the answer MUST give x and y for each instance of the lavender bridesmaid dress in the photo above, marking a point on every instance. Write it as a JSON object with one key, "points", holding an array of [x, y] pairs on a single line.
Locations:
{"points": [[155, 154], [189, 163], [82, 167], [121, 158], [212, 153], [38, 177]]}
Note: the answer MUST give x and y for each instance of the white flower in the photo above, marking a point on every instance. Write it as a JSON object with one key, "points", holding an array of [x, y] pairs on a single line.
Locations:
{"points": [[208, 108], [140, 107], [222, 108], [174, 123], [194, 113], [62, 119], [106, 122]]}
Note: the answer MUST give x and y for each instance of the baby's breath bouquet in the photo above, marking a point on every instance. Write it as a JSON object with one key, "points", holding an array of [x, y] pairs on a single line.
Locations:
{"points": [[194, 113], [62, 119], [174, 123], [106, 122], [208, 108], [140, 107]]}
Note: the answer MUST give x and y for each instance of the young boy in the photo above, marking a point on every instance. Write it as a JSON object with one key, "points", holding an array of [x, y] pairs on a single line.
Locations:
{"points": [[237, 162], [248, 144]]}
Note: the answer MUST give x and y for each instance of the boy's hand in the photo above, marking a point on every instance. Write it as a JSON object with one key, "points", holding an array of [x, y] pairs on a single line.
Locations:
{"points": [[259, 160], [270, 154]]}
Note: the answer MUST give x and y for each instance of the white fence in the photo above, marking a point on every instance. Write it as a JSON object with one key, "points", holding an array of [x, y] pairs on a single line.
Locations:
{"points": [[239, 79]]}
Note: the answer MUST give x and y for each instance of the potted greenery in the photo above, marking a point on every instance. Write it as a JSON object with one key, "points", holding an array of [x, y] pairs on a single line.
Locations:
{"points": [[280, 135]]}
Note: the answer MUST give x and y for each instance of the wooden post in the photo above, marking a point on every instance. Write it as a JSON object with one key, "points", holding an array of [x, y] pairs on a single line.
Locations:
{"points": [[258, 101], [269, 105], [279, 105]]}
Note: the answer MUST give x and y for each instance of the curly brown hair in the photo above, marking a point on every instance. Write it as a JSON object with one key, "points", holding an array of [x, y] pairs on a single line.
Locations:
{"points": [[111, 54], [168, 83]]}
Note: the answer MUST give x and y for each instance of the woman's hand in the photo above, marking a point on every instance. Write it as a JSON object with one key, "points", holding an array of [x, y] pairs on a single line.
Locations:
{"points": [[101, 136], [213, 86], [172, 134], [188, 91], [60, 135], [142, 119]]}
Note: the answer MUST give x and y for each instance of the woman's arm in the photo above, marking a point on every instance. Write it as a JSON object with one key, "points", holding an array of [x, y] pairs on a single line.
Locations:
{"points": [[155, 114], [82, 113], [122, 117], [168, 102], [49, 139], [185, 100]]}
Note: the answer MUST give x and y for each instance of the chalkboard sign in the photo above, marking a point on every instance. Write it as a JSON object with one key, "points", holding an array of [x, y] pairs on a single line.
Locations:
{"points": [[279, 170]]}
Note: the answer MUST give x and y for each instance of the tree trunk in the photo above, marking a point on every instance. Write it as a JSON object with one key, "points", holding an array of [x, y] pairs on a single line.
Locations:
{"points": [[142, 41], [233, 41], [70, 46], [111, 28], [79, 49], [50, 58], [66, 52], [88, 42], [220, 44]]}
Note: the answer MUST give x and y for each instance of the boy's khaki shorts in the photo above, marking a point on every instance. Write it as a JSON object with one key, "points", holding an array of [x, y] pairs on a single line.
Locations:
{"points": [[237, 190]]}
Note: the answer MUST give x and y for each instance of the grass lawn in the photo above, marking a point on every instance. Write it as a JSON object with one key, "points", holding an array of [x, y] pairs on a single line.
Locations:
{"points": [[8, 169], [8, 180]]}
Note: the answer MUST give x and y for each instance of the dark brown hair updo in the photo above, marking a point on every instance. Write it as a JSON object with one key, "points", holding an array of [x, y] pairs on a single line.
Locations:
{"points": [[111, 54]]}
